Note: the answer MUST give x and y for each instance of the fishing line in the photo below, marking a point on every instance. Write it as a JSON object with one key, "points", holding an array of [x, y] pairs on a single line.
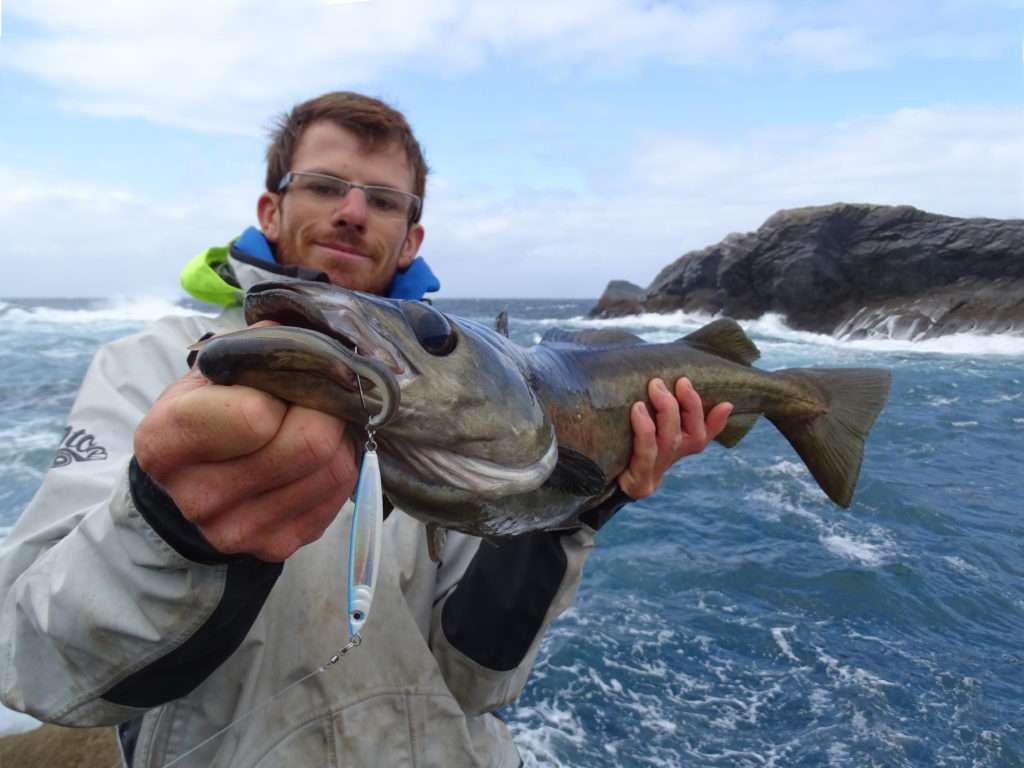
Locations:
{"points": [[343, 651]]}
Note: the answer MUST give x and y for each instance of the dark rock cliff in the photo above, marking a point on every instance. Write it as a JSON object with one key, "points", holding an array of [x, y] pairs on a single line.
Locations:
{"points": [[850, 270]]}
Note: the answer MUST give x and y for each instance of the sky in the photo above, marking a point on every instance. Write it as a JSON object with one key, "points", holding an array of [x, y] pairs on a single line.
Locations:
{"points": [[570, 142]]}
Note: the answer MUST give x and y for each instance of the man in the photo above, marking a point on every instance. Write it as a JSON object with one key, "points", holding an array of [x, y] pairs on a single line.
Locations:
{"points": [[149, 589]]}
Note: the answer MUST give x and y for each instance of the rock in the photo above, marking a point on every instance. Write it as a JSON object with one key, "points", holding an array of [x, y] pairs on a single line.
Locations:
{"points": [[52, 745], [854, 271], [621, 297]]}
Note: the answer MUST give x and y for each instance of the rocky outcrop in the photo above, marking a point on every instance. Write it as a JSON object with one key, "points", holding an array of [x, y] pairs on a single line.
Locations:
{"points": [[621, 297], [853, 271]]}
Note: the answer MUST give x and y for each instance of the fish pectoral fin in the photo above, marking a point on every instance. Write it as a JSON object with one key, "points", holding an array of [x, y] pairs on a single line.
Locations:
{"points": [[576, 475], [724, 337], [736, 428], [436, 537]]}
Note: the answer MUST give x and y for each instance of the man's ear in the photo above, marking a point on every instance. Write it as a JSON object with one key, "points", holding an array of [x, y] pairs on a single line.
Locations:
{"points": [[411, 246], [268, 212]]}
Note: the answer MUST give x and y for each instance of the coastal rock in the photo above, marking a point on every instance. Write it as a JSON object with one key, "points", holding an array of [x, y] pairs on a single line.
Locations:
{"points": [[621, 297], [851, 270]]}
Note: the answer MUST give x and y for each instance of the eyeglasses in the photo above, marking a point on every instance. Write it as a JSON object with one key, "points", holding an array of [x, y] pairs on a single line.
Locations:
{"points": [[330, 190]]}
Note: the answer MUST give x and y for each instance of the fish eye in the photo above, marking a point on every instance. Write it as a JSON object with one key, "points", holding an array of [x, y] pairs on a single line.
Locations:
{"points": [[432, 329]]}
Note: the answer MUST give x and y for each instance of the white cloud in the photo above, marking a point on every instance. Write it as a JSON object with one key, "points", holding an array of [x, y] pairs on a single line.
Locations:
{"points": [[68, 237], [675, 194], [681, 193], [225, 65], [834, 48]]}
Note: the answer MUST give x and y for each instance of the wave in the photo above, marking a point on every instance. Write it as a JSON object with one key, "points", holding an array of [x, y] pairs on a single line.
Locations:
{"points": [[115, 310], [772, 326]]}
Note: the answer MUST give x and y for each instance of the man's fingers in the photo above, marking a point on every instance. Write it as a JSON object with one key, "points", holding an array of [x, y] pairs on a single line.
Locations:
{"points": [[717, 419], [666, 409], [307, 441], [274, 525], [207, 423], [636, 480], [693, 411]]}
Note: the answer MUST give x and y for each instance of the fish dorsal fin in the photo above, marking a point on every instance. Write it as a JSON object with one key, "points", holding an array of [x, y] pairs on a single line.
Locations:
{"points": [[591, 337], [724, 337], [501, 323], [575, 474]]}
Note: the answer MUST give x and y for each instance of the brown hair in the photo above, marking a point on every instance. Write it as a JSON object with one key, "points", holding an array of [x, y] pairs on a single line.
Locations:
{"points": [[371, 120]]}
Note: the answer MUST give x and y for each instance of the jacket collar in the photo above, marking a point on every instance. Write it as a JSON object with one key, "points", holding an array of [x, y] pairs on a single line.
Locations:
{"points": [[221, 275]]}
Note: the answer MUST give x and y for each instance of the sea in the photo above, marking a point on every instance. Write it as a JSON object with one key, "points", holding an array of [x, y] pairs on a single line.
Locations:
{"points": [[737, 617]]}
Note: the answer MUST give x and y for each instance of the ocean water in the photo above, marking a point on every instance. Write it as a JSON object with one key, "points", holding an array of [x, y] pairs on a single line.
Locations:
{"points": [[737, 617]]}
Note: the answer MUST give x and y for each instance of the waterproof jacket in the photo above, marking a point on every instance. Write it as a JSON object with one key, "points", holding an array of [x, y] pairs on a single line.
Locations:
{"points": [[116, 611]]}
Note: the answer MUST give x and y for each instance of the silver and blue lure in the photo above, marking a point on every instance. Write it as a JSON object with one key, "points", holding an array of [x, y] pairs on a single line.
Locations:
{"points": [[365, 540], [367, 530]]}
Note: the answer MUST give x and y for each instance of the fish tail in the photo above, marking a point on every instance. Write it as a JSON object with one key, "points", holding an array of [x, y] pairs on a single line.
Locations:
{"points": [[831, 443]]}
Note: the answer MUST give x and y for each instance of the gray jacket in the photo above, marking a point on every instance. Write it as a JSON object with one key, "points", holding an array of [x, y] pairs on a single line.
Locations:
{"points": [[115, 611]]}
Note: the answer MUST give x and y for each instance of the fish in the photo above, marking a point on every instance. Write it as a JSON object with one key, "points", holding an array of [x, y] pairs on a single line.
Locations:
{"points": [[478, 434]]}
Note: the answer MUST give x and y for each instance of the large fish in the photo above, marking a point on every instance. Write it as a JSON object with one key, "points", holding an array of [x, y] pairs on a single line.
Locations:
{"points": [[478, 434]]}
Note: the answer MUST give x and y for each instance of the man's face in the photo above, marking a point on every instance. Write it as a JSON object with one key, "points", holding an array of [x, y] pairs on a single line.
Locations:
{"points": [[355, 247]]}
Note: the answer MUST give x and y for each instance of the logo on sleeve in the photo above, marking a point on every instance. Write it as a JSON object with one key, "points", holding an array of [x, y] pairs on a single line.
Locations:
{"points": [[78, 445]]}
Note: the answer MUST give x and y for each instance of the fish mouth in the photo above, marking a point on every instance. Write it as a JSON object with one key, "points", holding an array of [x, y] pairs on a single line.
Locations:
{"points": [[292, 306], [318, 335]]}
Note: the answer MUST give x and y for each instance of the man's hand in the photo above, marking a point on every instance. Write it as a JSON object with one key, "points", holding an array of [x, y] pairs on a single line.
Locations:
{"points": [[254, 474], [681, 430]]}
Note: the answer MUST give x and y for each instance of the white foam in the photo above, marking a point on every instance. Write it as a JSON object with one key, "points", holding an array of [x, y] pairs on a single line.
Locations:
{"points": [[935, 400], [779, 635], [784, 467], [539, 728], [838, 753], [962, 565], [775, 500], [117, 309], [960, 424], [853, 675], [661, 724], [772, 326], [852, 548], [820, 700], [1003, 398], [681, 322], [15, 722], [37, 434]]}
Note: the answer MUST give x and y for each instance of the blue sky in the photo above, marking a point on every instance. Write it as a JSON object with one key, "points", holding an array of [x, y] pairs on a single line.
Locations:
{"points": [[571, 143]]}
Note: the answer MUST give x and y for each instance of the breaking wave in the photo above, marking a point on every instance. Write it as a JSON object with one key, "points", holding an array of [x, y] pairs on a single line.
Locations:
{"points": [[113, 311], [772, 326]]}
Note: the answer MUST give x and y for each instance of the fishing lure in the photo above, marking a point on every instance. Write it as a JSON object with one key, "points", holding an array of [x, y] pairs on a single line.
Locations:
{"points": [[365, 539], [367, 530]]}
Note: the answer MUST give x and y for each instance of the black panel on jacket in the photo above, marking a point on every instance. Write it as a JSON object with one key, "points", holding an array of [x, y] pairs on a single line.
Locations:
{"points": [[498, 607], [166, 519], [604, 511], [247, 586]]}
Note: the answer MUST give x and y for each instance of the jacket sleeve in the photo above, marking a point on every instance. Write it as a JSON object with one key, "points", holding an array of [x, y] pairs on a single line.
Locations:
{"points": [[100, 612], [487, 628]]}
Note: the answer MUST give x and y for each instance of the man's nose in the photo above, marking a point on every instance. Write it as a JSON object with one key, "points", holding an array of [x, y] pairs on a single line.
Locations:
{"points": [[351, 210]]}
